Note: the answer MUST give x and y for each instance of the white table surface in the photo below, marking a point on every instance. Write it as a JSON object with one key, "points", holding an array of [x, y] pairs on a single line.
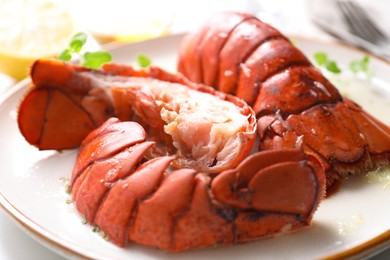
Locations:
{"points": [[288, 16]]}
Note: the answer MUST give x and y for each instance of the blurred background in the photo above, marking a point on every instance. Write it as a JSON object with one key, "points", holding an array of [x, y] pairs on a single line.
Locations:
{"points": [[30, 29]]}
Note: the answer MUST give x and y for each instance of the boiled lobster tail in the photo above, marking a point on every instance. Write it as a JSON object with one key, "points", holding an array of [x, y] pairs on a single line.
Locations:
{"points": [[165, 104], [133, 179], [58, 99], [295, 105], [167, 161], [129, 197]]}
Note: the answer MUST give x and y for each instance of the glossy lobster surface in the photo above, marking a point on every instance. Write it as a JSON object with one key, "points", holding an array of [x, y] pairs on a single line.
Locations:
{"points": [[72, 101], [180, 177], [295, 105], [131, 198], [167, 162]]}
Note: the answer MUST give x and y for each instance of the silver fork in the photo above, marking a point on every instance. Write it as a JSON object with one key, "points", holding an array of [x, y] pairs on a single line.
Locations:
{"points": [[360, 23], [365, 32]]}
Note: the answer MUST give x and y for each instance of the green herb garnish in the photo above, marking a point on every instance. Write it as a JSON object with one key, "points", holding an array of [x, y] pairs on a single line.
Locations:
{"points": [[77, 42], [104, 235], [96, 229], [361, 65], [96, 59], [88, 59], [322, 60], [332, 67], [68, 189], [65, 55], [143, 60]]}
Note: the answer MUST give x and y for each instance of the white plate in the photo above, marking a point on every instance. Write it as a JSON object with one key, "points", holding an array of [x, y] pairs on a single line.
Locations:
{"points": [[354, 221]]}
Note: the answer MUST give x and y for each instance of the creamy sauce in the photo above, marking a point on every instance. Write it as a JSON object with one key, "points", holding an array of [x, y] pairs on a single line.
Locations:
{"points": [[373, 95], [380, 176], [349, 226]]}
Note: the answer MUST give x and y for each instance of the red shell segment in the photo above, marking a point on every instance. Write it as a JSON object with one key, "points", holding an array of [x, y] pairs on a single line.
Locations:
{"points": [[295, 105]]}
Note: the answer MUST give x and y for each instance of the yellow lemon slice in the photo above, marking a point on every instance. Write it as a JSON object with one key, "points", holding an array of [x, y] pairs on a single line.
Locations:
{"points": [[31, 29], [124, 20], [152, 29]]}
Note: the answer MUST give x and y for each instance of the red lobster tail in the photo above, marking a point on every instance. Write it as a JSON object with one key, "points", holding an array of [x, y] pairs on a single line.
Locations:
{"points": [[295, 105], [60, 110], [205, 59], [134, 201], [149, 97]]}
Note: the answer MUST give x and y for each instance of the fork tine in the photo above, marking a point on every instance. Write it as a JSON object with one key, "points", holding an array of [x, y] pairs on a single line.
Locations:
{"points": [[359, 22], [356, 24], [350, 19], [366, 19]]}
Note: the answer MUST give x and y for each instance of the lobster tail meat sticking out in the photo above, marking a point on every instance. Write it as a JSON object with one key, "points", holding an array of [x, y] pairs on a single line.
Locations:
{"points": [[207, 130], [209, 133], [180, 176], [132, 198], [295, 105]]}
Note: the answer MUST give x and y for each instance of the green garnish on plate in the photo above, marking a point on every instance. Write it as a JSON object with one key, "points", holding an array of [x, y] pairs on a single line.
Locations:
{"points": [[322, 60], [361, 65], [93, 60], [143, 61]]}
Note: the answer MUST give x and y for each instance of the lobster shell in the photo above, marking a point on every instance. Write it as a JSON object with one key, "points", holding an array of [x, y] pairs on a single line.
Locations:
{"points": [[122, 181], [93, 96], [134, 199], [295, 105]]}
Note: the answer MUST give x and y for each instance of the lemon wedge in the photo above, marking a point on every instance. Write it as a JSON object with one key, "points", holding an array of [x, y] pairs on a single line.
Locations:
{"points": [[123, 21], [153, 29], [31, 29]]}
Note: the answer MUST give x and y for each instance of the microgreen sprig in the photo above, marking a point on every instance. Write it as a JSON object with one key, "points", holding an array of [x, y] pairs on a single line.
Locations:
{"points": [[322, 60], [87, 59], [143, 61], [361, 65]]}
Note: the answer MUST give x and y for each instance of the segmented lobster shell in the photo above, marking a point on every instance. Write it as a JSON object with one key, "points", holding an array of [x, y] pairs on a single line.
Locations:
{"points": [[63, 106], [132, 193], [296, 106], [131, 198]]}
